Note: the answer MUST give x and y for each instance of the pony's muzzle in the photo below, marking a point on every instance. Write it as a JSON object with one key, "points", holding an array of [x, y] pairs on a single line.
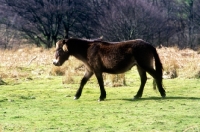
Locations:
{"points": [[56, 62]]}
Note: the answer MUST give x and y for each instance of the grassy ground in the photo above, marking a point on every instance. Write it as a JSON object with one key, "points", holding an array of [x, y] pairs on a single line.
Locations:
{"points": [[32, 99], [45, 104]]}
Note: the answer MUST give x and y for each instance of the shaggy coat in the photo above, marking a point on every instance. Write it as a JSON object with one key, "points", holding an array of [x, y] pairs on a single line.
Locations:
{"points": [[113, 58]]}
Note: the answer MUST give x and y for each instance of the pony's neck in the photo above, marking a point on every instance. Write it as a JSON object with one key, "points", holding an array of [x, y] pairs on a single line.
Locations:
{"points": [[78, 48]]}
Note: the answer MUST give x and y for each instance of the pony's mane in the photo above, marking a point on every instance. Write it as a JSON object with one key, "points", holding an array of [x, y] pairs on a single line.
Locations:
{"points": [[99, 40], [88, 40], [106, 42]]}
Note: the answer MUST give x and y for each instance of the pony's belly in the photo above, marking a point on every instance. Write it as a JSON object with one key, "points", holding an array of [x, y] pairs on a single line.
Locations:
{"points": [[120, 68], [118, 64]]}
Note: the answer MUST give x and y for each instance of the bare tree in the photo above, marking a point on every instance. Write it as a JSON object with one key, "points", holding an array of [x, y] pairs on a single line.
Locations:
{"points": [[81, 19], [9, 37], [188, 12], [40, 20], [165, 22], [133, 19], [45, 21], [197, 21]]}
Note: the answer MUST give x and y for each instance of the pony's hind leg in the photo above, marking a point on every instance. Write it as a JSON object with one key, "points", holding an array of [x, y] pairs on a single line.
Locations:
{"points": [[160, 86], [143, 78], [158, 80]]}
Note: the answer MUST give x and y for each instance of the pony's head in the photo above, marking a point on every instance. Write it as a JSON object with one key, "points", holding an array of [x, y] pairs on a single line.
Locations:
{"points": [[62, 53]]}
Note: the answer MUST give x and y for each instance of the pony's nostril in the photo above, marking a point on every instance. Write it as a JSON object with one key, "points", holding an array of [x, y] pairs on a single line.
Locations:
{"points": [[55, 62]]}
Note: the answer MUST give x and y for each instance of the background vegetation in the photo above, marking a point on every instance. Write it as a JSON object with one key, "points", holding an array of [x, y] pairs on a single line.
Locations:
{"points": [[43, 22], [37, 96]]}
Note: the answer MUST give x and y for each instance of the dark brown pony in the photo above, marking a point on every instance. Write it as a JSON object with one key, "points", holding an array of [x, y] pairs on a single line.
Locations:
{"points": [[114, 58]]}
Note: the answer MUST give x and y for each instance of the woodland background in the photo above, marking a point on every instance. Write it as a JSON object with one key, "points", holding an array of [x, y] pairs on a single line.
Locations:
{"points": [[35, 95], [43, 22]]}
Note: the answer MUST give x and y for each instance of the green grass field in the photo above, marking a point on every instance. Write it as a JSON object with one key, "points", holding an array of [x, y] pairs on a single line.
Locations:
{"points": [[33, 100], [44, 104]]}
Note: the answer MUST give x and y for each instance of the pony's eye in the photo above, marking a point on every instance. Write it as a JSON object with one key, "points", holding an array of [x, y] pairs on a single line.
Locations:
{"points": [[59, 52], [56, 54]]}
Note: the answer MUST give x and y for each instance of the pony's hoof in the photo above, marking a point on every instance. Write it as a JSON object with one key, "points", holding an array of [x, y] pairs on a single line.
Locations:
{"points": [[101, 99], [76, 98], [136, 97], [163, 95]]}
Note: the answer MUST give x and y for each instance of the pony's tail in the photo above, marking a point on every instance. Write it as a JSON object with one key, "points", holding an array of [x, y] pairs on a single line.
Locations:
{"points": [[158, 66]]}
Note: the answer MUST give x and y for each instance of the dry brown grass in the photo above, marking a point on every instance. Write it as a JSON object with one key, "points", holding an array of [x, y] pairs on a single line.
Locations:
{"points": [[24, 62], [32, 61], [69, 69], [180, 63], [115, 80]]}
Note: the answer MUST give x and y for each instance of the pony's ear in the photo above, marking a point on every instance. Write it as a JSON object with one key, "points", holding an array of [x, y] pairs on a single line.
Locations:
{"points": [[64, 45], [65, 48], [64, 41], [57, 44]]}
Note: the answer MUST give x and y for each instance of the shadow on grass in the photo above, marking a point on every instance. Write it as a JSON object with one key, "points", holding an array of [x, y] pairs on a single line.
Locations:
{"points": [[166, 98]]}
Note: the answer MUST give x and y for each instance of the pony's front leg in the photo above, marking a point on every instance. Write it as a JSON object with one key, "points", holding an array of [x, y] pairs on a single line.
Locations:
{"points": [[101, 85], [84, 80]]}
